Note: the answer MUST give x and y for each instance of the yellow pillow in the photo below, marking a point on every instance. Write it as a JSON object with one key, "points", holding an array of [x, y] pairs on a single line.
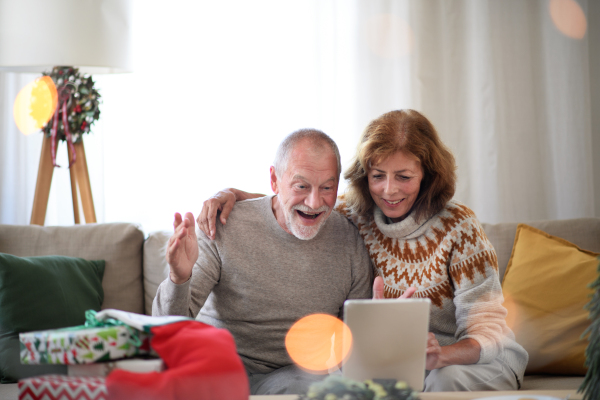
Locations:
{"points": [[546, 288]]}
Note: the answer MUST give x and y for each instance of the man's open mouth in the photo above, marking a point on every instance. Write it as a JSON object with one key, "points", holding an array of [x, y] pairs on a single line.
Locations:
{"points": [[308, 215]]}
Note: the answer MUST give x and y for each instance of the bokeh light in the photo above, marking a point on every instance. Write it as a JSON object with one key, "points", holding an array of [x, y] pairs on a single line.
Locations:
{"points": [[319, 343], [35, 105], [389, 36], [569, 18]]}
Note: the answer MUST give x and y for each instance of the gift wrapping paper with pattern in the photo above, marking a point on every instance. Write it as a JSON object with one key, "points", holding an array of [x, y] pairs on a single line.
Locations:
{"points": [[81, 345], [60, 387]]}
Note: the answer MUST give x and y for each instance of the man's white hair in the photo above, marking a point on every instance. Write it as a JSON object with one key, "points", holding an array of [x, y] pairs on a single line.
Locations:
{"points": [[316, 138]]}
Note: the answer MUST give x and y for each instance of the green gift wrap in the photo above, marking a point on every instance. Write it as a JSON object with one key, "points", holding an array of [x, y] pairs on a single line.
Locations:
{"points": [[94, 342]]}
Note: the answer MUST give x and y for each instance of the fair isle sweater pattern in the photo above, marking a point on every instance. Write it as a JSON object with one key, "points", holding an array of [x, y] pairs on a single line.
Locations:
{"points": [[450, 260], [418, 256]]}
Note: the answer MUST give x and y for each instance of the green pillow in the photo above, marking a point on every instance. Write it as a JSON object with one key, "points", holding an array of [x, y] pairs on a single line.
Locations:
{"points": [[38, 293]]}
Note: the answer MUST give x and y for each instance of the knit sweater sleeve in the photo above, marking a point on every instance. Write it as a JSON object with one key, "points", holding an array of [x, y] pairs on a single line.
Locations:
{"points": [[188, 298], [478, 299], [342, 207]]}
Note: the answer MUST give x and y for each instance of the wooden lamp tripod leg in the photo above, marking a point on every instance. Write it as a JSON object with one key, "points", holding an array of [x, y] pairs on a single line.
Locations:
{"points": [[42, 186], [74, 190], [83, 183], [80, 183]]}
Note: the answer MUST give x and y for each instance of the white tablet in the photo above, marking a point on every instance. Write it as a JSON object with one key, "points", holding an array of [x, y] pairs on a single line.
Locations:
{"points": [[389, 340]]}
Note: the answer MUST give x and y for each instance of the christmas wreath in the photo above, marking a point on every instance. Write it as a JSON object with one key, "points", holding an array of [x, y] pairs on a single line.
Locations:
{"points": [[77, 108], [82, 103]]}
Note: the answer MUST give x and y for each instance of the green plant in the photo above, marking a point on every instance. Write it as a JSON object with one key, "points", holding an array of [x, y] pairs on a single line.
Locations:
{"points": [[591, 384], [340, 388]]}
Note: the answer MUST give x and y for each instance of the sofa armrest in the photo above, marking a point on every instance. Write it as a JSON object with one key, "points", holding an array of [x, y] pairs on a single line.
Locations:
{"points": [[156, 268]]}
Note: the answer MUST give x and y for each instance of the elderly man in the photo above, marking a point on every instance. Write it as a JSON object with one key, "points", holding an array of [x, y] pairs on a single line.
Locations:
{"points": [[278, 258]]}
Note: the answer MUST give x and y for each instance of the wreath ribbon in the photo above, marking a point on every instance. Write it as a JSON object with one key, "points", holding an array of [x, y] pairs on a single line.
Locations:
{"points": [[64, 95]]}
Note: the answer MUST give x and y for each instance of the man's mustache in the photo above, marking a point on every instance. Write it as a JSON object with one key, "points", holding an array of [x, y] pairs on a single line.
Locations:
{"points": [[306, 209]]}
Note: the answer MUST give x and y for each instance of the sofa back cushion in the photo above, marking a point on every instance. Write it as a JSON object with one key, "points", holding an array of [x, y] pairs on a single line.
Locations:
{"points": [[118, 244], [583, 232], [38, 293]]}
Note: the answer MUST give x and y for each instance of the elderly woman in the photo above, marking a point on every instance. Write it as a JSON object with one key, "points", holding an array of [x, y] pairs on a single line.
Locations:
{"points": [[401, 184]]}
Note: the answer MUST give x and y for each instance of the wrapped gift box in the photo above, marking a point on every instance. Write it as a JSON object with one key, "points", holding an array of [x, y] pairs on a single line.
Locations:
{"points": [[104, 368], [82, 345], [61, 387]]}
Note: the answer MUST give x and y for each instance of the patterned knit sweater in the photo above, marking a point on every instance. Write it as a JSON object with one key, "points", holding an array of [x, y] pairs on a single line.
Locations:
{"points": [[449, 259]]}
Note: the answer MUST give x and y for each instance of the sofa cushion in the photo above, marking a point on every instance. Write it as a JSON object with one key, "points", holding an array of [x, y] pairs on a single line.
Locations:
{"points": [[545, 289], [119, 244], [42, 293], [584, 232], [156, 268], [551, 382]]}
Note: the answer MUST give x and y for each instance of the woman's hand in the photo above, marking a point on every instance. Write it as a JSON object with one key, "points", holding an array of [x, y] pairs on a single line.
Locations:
{"points": [[463, 352], [224, 202], [207, 219], [433, 353], [378, 290]]}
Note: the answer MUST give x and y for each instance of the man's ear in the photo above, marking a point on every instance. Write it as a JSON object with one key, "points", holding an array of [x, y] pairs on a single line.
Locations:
{"points": [[274, 186]]}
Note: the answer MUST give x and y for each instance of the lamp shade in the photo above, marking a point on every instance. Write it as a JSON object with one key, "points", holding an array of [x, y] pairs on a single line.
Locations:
{"points": [[92, 35]]}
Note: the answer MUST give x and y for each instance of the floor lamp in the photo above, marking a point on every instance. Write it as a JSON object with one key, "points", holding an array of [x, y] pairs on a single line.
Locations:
{"points": [[80, 185], [93, 36]]}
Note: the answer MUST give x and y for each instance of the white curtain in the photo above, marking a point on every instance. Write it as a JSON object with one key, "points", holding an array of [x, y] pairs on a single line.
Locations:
{"points": [[510, 94], [507, 91], [217, 85]]}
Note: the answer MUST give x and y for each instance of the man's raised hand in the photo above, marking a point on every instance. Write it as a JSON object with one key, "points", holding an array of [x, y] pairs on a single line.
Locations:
{"points": [[182, 249], [378, 290]]}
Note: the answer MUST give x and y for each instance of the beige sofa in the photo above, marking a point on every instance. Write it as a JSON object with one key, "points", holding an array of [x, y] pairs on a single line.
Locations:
{"points": [[135, 265]]}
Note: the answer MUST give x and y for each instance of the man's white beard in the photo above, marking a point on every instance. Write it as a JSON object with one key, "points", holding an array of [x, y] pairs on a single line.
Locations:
{"points": [[294, 224]]}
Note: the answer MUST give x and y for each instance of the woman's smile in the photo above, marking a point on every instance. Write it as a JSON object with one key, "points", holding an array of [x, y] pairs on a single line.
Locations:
{"points": [[394, 184], [392, 203]]}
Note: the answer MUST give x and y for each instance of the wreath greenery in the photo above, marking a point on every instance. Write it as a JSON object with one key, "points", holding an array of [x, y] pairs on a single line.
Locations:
{"points": [[83, 102]]}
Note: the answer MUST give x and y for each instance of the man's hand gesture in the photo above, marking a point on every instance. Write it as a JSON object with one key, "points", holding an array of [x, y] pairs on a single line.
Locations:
{"points": [[378, 290], [182, 249]]}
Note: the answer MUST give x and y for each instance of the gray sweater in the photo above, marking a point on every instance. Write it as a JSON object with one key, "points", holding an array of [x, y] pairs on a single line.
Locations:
{"points": [[256, 280]]}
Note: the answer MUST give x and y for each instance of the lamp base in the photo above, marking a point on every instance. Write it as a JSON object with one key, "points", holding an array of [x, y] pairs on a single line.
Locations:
{"points": [[80, 185]]}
